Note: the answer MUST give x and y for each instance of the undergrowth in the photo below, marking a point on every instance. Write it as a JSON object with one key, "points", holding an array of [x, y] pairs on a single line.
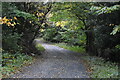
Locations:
{"points": [[13, 62], [101, 68]]}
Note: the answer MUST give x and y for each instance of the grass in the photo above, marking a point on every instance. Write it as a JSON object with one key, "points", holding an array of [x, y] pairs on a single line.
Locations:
{"points": [[71, 47], [40, 47], [13, 62], [101, 68]]}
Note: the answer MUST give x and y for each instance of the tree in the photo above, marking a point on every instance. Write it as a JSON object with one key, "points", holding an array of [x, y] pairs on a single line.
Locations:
{"points": [[97, 20], [78, 13], [30, 18]]}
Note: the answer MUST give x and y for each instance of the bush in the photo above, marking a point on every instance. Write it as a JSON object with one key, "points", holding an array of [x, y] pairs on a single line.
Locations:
{"points": [[12, 58], [49, 34], [73, 37], [106, 43], [12, 62], [10, 43], [102, 69]]}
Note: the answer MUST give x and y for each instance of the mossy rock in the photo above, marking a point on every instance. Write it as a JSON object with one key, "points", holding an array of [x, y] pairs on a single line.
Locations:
{"points": [[40, 47]]}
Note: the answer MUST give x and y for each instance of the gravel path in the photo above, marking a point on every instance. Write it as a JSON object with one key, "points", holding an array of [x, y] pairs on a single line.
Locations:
{"points": [[55, 62]]}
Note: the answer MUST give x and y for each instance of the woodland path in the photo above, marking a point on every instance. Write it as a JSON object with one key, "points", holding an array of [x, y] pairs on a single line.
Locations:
{"points": [[55, 62]]}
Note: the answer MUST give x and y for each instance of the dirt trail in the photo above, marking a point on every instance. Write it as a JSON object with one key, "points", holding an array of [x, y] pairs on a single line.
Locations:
{"points": [[55, 62]]}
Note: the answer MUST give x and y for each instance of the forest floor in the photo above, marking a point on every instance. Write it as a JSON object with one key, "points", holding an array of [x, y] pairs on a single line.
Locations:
{"points": [[55, 62]]}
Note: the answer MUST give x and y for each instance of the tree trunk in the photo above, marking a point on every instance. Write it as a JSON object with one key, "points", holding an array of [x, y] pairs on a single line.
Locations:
{"points": [[90, 47]]}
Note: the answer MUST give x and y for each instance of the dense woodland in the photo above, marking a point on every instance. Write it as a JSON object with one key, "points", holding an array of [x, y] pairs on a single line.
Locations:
{"points": [[92, 26]]}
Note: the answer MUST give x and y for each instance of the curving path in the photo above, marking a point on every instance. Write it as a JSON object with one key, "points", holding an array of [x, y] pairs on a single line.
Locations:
{"points": [[55, 62]]}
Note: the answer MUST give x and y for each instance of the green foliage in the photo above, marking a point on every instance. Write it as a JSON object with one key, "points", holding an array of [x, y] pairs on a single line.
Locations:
{"points": [[115, 29], [10, 43], [26, 15], [12, 62], [106, 32], [104, 9], [67, 12], [73, 37], [117, 46], [102, 69], [30, 18], [49, 34], [62, 34], [72, 23], [40, 47], [88, 25], [79, 49], [8, 8]]}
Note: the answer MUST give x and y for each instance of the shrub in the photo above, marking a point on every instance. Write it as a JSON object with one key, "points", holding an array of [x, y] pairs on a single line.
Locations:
{"points": [[10, 43], [102, 68], [12, 62], [49, 34]]}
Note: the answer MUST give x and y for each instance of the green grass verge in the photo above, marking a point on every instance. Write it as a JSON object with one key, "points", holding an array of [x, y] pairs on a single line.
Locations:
{"points": [[40, 47], [101, 68], [71, 47], [13, 62]]}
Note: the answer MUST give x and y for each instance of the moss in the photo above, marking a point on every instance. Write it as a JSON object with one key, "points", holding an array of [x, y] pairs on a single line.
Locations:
{"points": [[40, 47]]}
